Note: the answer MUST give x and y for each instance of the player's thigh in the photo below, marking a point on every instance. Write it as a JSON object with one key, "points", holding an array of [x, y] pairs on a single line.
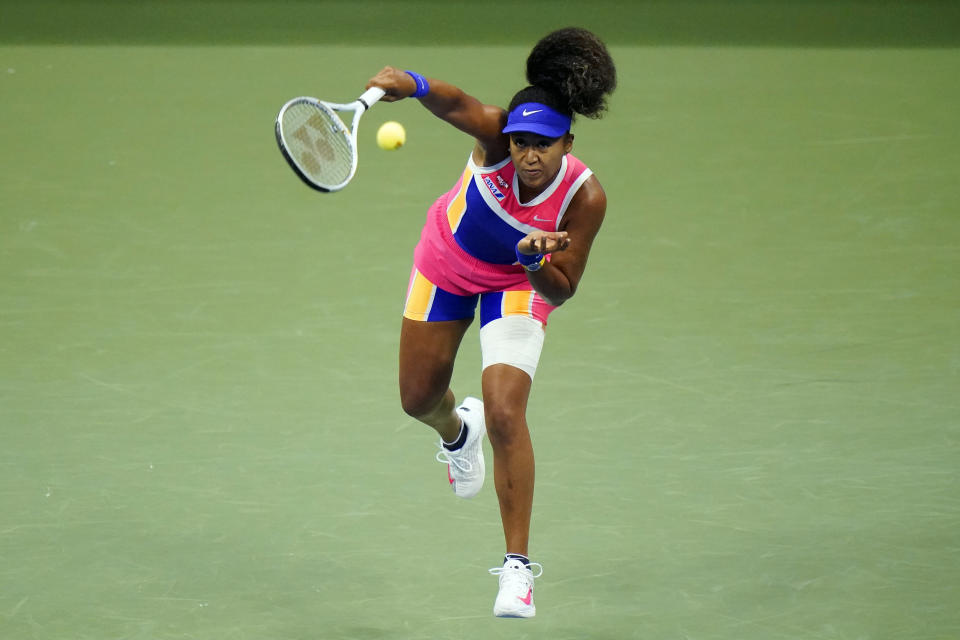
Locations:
{"points": [[427, 354]]}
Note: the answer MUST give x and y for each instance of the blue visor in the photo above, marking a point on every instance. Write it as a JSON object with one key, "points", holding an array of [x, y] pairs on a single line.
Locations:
{"points": [[533, 117]]}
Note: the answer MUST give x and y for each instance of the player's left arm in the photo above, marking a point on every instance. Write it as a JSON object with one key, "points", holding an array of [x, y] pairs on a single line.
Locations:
{"points": [[569, 247]]}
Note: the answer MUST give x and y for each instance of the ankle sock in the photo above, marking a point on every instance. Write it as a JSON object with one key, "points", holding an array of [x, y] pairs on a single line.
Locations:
{"points": [[460, 441], [516, 556]]}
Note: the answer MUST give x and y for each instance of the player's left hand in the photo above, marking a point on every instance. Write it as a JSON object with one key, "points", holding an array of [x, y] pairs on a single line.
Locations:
{"points": [[544, 242]]}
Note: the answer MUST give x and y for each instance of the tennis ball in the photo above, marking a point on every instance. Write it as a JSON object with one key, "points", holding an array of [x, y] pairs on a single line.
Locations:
{"points": [[391, 135]]}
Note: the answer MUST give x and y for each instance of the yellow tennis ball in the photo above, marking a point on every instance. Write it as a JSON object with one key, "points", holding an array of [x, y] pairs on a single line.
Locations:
{"points": [[391, 135]]}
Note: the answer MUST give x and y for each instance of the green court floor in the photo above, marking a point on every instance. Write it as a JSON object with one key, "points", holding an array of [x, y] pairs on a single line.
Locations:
{"points": [[747, 422]]}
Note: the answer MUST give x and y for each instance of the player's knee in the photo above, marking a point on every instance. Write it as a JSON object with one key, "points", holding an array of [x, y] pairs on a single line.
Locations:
{"points": [[413, 404], [505, 423], [419, 403]]}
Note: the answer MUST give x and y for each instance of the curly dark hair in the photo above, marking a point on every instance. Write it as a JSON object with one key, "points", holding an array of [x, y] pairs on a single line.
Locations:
{"points": [[569, 70]]}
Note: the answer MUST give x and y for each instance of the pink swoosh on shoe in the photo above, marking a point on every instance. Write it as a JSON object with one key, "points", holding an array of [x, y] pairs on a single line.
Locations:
{"points": [[528, 599]]}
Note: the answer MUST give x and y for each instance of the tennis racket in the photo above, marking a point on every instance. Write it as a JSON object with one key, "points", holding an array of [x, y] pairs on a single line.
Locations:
{"points": [[317, 144]]}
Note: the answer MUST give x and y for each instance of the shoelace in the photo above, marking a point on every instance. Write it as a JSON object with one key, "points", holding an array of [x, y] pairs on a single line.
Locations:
{"points": [[515, 571], [449, 457]]}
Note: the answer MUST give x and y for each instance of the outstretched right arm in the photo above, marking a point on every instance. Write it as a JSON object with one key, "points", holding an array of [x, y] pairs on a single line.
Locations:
{"points": [[483, 122]]}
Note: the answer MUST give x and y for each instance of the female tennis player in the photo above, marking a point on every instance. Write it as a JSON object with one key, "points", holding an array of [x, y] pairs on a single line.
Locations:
{"points": [[511, 236]]}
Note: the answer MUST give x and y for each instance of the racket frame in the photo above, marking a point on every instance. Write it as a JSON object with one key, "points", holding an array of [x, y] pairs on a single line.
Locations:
{"points": [[331, 111]]}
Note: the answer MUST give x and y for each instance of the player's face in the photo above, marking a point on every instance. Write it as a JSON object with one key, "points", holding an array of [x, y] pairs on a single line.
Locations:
{"points": [[537, 159]]}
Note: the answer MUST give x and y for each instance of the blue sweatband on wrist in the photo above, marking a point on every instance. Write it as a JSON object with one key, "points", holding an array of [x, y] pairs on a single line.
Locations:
{"points": [[530, 263], [423, 87]]}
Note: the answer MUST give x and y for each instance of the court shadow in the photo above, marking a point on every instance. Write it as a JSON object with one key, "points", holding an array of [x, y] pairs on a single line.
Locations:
{"points": [[357, 633]]}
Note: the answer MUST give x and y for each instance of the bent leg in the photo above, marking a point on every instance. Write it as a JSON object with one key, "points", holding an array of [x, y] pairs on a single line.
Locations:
{"points": [[427, 354]]}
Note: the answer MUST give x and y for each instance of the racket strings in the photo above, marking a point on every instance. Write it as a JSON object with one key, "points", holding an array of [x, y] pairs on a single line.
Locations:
{"points": [[319, 143]]}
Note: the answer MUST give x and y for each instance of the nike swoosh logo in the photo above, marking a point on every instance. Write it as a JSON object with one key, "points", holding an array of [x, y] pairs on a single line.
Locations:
{"points": [[542, 219], [530, 113], [528, 599]]}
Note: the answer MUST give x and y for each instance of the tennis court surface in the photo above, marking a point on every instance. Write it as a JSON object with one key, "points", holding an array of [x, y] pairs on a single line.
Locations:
{"points": [[746, 422]]}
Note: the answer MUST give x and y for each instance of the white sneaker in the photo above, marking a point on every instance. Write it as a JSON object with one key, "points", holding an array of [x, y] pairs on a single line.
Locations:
{"points": [[465, 468], [515, 599]]}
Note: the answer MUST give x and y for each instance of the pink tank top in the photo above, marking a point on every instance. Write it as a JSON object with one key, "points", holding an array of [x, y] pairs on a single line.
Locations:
{"points": [[467, 245]]}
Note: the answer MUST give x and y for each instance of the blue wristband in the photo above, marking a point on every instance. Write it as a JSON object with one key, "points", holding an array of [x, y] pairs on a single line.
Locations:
{"points": [[423, 87], [530, 263]]}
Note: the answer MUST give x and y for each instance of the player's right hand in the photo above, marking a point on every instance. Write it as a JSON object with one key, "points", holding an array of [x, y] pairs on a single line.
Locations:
{"points": [[396, 83]]}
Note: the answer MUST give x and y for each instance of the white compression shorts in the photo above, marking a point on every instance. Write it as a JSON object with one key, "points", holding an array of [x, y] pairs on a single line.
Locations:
{"points": [[516, 340]]}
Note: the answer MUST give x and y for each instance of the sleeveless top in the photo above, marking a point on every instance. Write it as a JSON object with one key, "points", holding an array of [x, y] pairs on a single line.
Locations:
{"points": [[467, 245]]}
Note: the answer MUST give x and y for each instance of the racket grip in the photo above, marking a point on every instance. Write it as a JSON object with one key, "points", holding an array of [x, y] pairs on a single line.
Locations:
{"points": [[370, 96]]}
